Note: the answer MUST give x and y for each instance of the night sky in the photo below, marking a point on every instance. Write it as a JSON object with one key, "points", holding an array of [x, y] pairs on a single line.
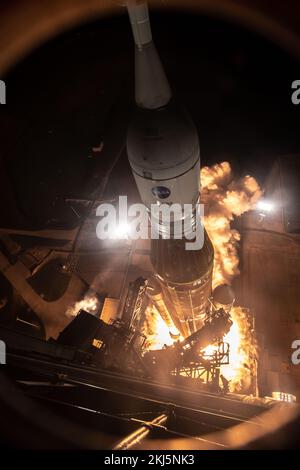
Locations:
{"points": [[76, 91]]}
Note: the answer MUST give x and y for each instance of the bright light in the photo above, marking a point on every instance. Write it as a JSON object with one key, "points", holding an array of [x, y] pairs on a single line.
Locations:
{"points": [[282, 396], [265, 206], [175, 333], [121, 231], [210, 350]]}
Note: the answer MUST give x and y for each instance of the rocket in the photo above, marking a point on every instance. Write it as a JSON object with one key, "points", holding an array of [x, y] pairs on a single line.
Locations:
{"points": [[164, 155]]}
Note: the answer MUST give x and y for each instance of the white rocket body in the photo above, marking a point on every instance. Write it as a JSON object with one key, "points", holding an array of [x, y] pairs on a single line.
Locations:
{"points": [[164, 155]]}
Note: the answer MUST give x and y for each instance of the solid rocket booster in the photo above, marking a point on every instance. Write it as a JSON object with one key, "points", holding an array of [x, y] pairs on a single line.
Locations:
{"points": [[164, 155]]}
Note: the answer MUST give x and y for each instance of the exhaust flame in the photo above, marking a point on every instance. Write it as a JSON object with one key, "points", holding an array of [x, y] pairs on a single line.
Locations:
{"points": [[155, 330], [224, 199], [243, 352]]}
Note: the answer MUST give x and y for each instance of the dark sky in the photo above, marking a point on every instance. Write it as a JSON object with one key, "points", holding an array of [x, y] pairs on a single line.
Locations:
{"points": [[77, 90]]}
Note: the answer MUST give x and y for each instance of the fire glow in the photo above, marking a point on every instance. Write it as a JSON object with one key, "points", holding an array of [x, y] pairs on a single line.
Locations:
{"points": [[224, 199]]}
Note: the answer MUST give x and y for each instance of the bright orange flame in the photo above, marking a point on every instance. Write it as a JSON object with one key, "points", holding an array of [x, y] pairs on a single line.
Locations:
{"points": [[243, 352], [225, 199], [156, 331]]}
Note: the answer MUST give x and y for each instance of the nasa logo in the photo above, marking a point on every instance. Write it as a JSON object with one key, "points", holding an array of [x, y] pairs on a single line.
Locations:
{"points": [[161, 191]]}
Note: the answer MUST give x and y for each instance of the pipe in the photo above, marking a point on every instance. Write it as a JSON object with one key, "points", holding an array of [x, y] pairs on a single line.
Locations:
{"points": [[137, 436]]}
